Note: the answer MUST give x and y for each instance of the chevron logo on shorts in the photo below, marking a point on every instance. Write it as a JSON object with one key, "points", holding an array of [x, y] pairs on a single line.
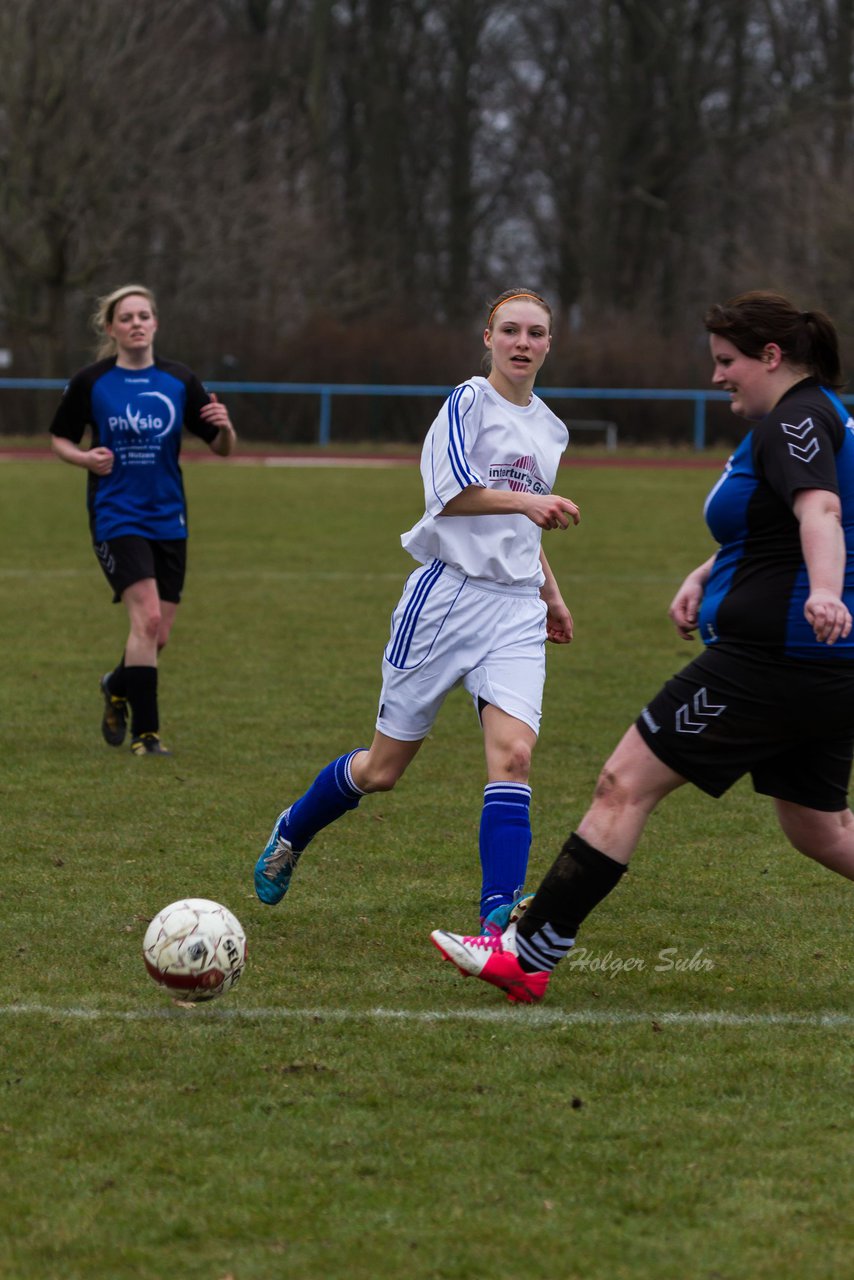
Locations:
{"points": [[694, 716]]}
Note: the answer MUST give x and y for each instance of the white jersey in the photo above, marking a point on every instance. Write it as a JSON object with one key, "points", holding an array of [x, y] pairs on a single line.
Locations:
{"points": [[479, 438]]}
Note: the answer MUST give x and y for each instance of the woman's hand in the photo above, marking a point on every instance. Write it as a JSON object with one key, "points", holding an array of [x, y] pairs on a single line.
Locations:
{"points": [[99, 460], [828, 616], [550, 510], [558, 623], [684, 611], [559, 626], [217, 415]]}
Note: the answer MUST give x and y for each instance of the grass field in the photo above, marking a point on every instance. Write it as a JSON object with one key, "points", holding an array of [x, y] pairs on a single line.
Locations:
{"points": [[680, 1107]]}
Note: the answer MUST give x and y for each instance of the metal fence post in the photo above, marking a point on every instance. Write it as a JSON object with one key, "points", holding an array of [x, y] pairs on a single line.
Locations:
{"points": [[324, 431], [700, 422]]}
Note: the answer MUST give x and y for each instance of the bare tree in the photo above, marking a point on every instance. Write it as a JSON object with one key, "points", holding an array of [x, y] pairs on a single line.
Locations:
{"points": [[83, 120], [272, 167]]}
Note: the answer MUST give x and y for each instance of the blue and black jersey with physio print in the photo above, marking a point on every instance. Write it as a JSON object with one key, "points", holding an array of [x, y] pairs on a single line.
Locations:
{"points": [[754, 599], [139, 415]]}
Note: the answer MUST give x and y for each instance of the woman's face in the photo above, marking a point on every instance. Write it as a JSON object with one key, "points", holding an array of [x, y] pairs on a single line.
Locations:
{"points": [[749, 381], [133, 325], [519, 340]]}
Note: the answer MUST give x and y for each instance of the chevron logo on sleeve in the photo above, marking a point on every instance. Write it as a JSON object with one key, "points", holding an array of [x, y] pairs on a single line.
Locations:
{"points": [[809, 446], [693, 717]]}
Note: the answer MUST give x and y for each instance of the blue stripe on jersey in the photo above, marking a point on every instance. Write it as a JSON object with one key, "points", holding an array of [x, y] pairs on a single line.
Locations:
{"points": [[838, 405], [403, 636], [726, 515], [456, 437]]}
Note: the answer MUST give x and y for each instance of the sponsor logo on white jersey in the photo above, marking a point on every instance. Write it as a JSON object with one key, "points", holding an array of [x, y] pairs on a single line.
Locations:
{"points": [[520, 476]]}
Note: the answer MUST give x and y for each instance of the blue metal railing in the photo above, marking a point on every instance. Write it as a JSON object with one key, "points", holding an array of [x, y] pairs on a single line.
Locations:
{"points": [[328, 390]]}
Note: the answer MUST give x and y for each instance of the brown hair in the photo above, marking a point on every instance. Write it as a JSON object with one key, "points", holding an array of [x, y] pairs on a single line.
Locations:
{"points": [[807, 339], [508, 295], [105, 309]]}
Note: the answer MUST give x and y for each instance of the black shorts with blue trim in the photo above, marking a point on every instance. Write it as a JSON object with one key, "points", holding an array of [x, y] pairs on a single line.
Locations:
{"points": [[789, 724]]}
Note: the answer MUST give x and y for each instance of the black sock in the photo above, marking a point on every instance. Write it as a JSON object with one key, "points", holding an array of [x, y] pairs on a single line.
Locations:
{"points": [[141, 685], [579, 878], [116, 681]]}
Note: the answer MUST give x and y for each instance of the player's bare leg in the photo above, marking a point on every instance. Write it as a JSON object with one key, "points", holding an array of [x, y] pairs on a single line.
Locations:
{"points": [[381, 766], [630, 785], [828, 838], [150, 623]]}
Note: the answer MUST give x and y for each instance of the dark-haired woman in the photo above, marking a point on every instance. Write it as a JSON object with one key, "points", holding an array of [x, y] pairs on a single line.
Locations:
{"points": [[772, 695], [135, 406], [477, 611]]}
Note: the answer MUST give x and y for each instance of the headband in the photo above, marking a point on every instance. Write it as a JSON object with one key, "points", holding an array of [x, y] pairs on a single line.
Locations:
{"points": [[512, 298]]}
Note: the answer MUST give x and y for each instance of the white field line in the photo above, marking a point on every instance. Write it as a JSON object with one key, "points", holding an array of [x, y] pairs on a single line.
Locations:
{"points": [[518, 1017]]}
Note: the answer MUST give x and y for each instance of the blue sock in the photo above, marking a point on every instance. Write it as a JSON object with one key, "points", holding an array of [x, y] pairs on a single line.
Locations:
{"points": [[331, 794], [505, 842]]}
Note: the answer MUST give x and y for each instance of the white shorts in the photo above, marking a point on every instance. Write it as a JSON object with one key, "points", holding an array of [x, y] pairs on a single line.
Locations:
{"points": [[448, 630]]}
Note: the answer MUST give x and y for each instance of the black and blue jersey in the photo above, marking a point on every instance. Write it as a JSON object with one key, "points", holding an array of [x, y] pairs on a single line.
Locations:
{"points": [[754, 598], [139, 415]]}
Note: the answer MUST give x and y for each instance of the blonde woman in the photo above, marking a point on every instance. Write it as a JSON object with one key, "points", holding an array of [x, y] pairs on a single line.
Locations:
{"points": [[477, 612], [135, 406]]}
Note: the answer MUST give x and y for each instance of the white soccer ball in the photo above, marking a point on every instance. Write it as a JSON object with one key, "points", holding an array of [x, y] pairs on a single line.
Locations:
{"points": [[195, 949]]}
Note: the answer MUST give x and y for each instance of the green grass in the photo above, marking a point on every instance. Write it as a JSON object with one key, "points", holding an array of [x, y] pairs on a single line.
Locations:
{"points": [[354, 1109]]}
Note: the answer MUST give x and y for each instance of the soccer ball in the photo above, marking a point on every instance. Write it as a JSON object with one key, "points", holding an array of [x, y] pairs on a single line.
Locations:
{"points": [[519, 907], [195, 949]]}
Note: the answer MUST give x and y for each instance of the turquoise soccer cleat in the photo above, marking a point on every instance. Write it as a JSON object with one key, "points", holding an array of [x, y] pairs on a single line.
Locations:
{"points": [[274, 868]]}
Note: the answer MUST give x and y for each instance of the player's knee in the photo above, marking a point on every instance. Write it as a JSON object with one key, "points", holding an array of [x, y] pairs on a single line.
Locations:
{"points": [[517, 760], [147, 626], [814, 833], [612, 788]]}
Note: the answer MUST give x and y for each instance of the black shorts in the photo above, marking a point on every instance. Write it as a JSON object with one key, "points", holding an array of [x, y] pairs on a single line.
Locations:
{"points": [[789, 724], [129, 559]]}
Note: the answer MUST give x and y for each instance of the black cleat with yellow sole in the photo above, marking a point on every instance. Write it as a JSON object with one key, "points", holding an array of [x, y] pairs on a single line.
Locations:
{"points": [[114, 723]]}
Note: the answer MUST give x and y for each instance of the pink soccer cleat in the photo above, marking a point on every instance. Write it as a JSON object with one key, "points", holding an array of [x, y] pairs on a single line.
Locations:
{"points": [[493, 958]]}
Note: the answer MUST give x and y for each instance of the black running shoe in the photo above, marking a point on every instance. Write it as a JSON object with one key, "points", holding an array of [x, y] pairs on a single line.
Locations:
{"points": [[148, 744], [114, 724]]}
